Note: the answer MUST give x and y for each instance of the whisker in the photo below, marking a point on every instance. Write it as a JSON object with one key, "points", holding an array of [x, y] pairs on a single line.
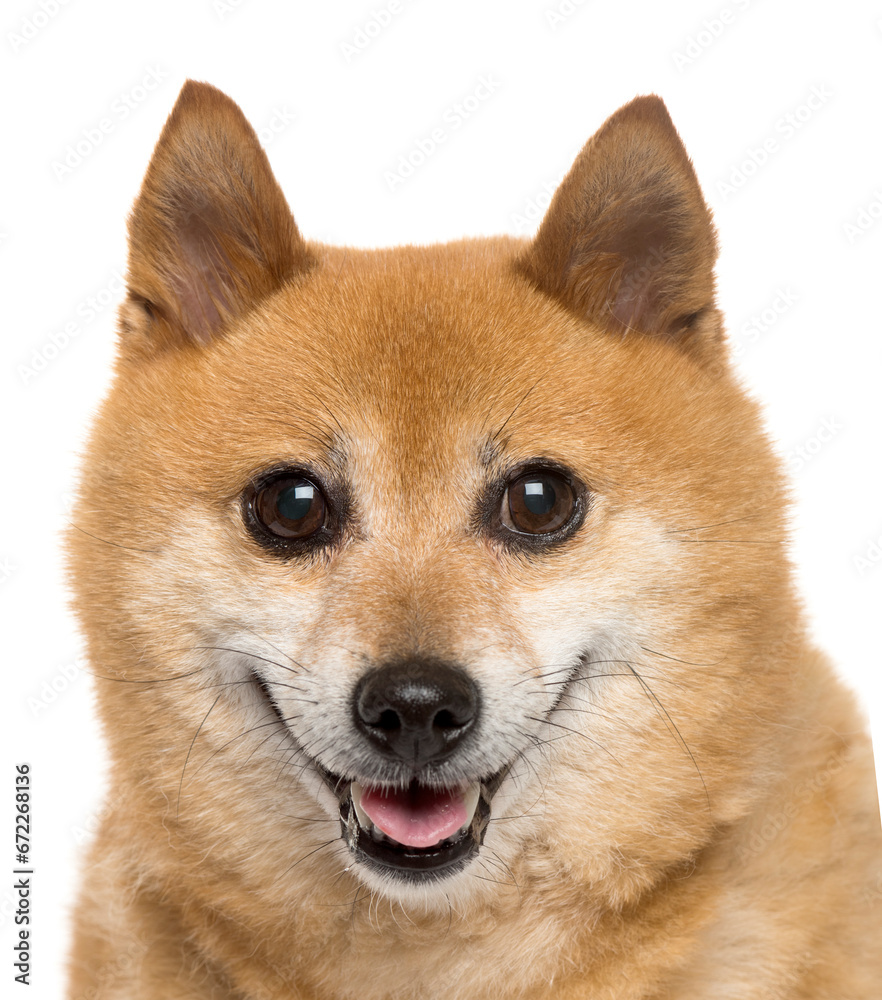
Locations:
{"points": [[568, 669], [688, 663], [151, 680], [676, 732], [190, 750], [718, 524], [248, 653], [277, 730], [309, 854], [495, 437], [725, 541], [574, 732], [281, 652], [105, 541]]}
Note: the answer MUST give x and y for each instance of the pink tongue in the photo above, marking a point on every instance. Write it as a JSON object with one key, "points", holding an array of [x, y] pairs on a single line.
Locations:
{"points": [[416, 817]]}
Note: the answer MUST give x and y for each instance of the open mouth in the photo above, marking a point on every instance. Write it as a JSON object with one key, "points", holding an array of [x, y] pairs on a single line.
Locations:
{"points": [[418, 833]]}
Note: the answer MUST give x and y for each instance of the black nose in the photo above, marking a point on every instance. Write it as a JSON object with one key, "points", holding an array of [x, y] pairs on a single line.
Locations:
{"points": [[416, 711]]}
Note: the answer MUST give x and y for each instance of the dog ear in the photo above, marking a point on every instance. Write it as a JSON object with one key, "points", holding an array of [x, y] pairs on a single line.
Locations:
{"points": [[628, 240], [210, 233]]}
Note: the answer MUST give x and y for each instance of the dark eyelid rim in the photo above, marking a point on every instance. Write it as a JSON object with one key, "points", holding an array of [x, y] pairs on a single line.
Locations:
{"points": [[487, 515], [336, 497]]}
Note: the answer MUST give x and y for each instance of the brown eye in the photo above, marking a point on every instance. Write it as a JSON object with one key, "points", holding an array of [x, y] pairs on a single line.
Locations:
{"points": [[538, 503], [290, 507]]}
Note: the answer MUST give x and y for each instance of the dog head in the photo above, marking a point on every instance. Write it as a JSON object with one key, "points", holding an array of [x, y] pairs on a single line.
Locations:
{"points": [[436, 567]]}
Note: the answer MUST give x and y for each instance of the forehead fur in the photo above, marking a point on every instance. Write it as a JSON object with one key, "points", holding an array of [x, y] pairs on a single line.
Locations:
{"points": [[445, 343]]}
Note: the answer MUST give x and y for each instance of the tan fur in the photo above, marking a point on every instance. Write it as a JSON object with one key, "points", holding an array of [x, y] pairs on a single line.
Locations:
{"points": [[696, 819]]}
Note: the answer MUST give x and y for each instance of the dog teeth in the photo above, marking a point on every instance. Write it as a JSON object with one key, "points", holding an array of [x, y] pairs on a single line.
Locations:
{"points": [[470, 800], [364, 820]]}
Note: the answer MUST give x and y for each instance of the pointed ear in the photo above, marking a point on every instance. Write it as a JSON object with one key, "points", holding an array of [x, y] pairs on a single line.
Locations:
{"points": [[211, 233], [628, 240]]}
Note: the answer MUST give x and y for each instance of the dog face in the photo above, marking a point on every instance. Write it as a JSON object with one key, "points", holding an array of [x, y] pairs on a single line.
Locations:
{"points": [[432, 568]]}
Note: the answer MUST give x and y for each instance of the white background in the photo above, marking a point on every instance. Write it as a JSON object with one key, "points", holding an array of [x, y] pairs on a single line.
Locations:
{"points": [[336, 120]]}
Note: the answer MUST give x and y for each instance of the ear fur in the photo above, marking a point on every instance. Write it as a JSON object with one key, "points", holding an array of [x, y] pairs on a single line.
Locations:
{"points": [[628, 241], [210, 233]]}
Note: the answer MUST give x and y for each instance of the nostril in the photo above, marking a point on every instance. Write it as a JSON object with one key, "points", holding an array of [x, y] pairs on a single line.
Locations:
{"points": [[388, 721], [445, 720]]}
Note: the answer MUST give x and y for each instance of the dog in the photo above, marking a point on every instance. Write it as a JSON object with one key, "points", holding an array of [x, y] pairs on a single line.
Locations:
{"points": [[444, 635]]}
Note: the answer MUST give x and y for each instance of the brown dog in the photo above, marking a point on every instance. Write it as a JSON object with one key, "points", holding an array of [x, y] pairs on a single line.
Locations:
{"points": [[446, 641]]}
